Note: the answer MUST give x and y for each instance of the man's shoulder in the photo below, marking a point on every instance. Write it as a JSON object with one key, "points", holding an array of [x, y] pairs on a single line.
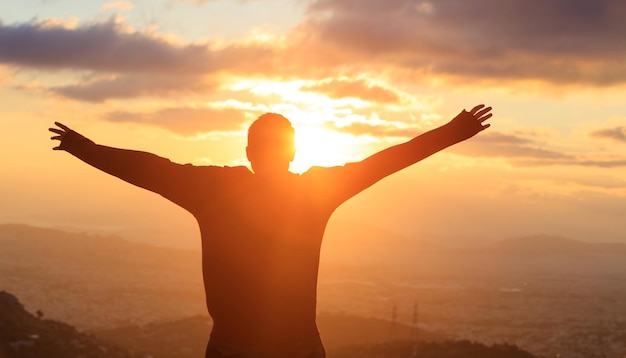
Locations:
{"points": [[328, 171], [218, 171], [218, 168]]}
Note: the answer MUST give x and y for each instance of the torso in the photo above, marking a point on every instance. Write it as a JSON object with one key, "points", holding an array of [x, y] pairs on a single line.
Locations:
{"points": [[261, 242]]}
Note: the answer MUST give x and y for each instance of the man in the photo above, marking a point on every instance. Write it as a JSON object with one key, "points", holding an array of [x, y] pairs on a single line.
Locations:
{"points": [[262, 229]]}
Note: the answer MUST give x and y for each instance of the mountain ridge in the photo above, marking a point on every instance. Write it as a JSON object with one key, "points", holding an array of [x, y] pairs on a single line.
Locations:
{"points": [[543, 244]]}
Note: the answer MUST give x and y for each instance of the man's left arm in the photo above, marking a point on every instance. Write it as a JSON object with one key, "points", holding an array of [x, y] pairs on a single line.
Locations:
{"points": [[388, 161]]}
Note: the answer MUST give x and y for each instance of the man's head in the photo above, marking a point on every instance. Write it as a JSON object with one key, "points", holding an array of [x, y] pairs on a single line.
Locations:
{"points": [[271, 144]]}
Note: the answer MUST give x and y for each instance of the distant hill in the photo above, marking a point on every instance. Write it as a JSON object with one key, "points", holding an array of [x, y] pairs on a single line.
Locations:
{"points": [[543, 245], [181, 338], [343, 330], [450, 349], [186, 338], [95, 281], [52, 246], [23, 335], [536, 254], [110, 282], [343, 336], [547, 255]]}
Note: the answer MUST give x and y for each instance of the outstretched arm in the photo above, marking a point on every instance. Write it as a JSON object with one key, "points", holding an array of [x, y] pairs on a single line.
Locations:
{"points": [[464, 126], [143, 169]]}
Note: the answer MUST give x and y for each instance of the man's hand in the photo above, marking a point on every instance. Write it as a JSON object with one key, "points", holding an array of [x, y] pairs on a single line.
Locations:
{"points": [[468, 124], [64, 135]]}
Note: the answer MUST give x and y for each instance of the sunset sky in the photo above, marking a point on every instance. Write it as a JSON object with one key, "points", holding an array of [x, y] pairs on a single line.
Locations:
{"points": [[184, 79]]}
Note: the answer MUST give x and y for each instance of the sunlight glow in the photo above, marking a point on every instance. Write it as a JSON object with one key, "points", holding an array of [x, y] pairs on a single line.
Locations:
{"points": [[290, 91], [317, 146]]}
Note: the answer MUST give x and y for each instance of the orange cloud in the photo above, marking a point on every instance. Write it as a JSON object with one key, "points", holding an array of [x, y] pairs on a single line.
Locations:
{"points": [[376, 129], [360, 88], [525, 152], [186, 121], [617, 134], [134, 85]]}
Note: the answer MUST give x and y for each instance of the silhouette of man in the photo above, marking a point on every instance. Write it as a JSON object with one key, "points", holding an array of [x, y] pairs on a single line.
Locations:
{"points": [[262, 230]]}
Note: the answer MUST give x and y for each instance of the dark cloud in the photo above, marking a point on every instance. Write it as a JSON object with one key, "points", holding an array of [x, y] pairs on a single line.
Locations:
{"points": [[616, 134], [108, 48], [561, 41], [135, 63], [361, 89], [100, 47], [130, 86], [499, 145], [186, 121], [521, 151]]}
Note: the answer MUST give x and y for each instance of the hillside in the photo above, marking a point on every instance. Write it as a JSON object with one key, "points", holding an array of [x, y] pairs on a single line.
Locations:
{"points": [[186, 338], [449, 349], [344, 337], [23, 335]]}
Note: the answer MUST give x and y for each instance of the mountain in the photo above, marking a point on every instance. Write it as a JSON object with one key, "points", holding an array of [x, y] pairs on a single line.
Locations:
{"points": [[95, 281], [186, 338], [512, 290], [554, 256], [23, 335], [551, 245], [450, 349], [344, 336]]}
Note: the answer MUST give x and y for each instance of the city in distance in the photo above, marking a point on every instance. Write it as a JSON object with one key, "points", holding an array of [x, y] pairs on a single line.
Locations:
{"points": [[548, 295]]}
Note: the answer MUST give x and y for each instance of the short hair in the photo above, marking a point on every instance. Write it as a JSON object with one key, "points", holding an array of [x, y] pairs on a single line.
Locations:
{"points": [[270, 127]]}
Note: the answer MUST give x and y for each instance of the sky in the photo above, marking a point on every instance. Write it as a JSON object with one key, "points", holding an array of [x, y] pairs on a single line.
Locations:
{"points": [[184, 79]]}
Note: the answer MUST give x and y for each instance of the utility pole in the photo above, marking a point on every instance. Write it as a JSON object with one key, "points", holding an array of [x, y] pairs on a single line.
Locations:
{"points": [[414, 329], [394, 323]]}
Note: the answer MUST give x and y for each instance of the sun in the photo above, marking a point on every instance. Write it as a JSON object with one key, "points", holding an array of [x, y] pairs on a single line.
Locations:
{"points": [[318, 146]]}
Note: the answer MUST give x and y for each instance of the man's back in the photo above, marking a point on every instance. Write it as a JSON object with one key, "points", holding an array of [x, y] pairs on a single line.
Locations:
{"points": [[261, 240]]}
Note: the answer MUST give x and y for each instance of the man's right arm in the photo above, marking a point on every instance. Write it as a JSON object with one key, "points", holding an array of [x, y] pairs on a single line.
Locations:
{"points": [[142, 169]]}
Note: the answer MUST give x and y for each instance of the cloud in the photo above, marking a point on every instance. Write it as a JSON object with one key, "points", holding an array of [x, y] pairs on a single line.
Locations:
{"points": [[580, 162], [108, 47], [102, 47], [500, 145], [131, 86], [617, 134], [378, 129], [133, 63], [559, 41], [521, 151], [360, 88], [4, 74], [186, 121]]}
